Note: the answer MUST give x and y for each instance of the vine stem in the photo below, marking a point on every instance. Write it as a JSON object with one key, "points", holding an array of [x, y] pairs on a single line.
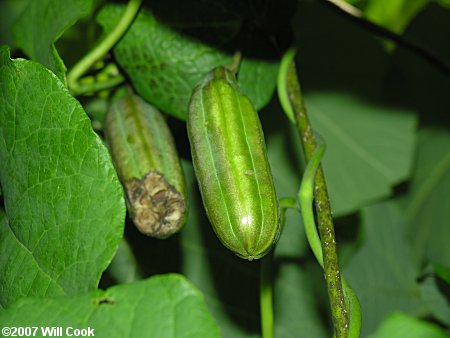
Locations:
{"points": [[83, 65], [294, 99]]}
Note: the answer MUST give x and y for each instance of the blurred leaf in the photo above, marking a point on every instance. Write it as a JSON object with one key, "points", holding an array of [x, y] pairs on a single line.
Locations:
{"points": [[398, 324], [336, 55], [382, 273], [343, 75], [393, 14], [445, 3], [370, 143], [63, 200], [162, 306], [166, 59], [412, 81], [426, 212], [369, 148], [435, 296], [258, 79], [42, 23], [443, 272], [10, 11], [296, 304]]}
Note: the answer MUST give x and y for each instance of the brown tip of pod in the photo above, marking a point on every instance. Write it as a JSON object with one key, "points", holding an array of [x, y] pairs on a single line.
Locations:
{"points": [[156, 207]]}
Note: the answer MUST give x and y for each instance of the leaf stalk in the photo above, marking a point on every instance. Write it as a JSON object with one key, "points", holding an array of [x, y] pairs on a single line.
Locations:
{"points": [[266, 297]]}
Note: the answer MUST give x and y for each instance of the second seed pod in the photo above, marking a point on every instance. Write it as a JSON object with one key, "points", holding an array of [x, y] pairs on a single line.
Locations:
{"points": [[147, 162], [230, 162]]}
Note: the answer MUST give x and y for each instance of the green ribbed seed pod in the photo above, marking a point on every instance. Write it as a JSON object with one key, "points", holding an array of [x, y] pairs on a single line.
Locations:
{"points": [[147, 162], [230, 162]]}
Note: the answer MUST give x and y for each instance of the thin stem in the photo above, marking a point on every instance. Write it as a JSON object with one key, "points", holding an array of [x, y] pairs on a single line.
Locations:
{"points": [[265, 296], [83, 88], [82, 66], [265, 279], [325, 220], [358, 17]]}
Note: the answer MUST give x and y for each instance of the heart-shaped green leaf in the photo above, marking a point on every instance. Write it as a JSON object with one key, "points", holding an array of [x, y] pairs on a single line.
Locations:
{"points": [[64, 204]]}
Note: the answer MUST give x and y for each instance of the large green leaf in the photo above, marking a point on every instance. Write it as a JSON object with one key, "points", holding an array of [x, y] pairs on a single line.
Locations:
{"points": [[426, 211], [162, 306], [42, 23], [63, 201], [382, 272], [369, 148], [166, 59], [399, 324], [163, 65]]}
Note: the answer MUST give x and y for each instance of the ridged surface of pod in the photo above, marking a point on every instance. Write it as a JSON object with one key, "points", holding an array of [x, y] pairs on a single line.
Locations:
{"points": [[147, 162], [230, 162]]}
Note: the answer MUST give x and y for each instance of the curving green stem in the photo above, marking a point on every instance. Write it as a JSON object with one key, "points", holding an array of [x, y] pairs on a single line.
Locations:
{"points": [[282, 84], [306, 197], [104, 46]]}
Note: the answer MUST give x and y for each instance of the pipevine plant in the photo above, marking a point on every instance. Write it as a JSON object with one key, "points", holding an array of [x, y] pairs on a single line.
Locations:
{"points": [[158, 189]]}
